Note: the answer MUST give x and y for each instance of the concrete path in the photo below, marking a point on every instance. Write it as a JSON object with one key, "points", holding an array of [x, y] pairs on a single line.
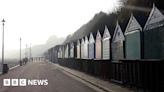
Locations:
{"points": [[58, 80]]}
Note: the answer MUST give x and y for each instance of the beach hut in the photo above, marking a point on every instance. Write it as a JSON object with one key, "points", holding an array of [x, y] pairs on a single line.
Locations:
{"points": [[154, 35], [78, 49], [72, 50], [133, 39], [60, 53], [82, 48], [56, 53], [66, 51], [63, 51], [106, 43], [117, 44], [50, 54], [86, 48], [98, 45], [91, 47]]}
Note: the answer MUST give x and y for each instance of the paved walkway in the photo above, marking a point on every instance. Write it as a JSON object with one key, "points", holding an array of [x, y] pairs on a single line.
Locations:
{"points": [[58, 80]]}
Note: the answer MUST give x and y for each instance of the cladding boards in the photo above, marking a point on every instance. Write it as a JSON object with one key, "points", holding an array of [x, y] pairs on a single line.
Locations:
{"points": [[91, 50], [98, 49], [106, 49], [154, 35], [133, 46], [86, 48], [117, 50], [155, 17], [133, 39], [82, 48], [66, 52], [153, 41], [106, 44], [72, 50], [117, 44], [78, 49], [98, 46]]}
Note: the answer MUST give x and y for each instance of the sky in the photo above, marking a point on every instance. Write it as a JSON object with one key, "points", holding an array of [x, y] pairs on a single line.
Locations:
{"points": [[36, 20]]}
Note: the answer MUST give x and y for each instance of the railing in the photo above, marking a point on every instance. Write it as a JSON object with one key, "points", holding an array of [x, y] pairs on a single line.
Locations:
{"points": [[147, 75]]}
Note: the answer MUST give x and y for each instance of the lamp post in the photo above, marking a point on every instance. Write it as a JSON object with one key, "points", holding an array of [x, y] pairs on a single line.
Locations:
{"points": [[3, 23], [20, 52], [30, 59]]}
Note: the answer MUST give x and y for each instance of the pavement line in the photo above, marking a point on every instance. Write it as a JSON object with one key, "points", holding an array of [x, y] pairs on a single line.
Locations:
{"points": [[92, 83], [84, 82], [13, 67]]}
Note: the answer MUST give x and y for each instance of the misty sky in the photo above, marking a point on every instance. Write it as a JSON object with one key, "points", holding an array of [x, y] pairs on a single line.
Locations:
{"points": [[36, 20]]}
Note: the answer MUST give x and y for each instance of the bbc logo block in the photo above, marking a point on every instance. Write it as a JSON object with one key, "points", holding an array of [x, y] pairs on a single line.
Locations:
{"points": [[22, 82], [14, 82], [6, 82]]}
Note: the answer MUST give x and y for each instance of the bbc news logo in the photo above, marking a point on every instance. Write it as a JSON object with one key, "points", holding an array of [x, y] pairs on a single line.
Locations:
{"points": [[24, 82]]}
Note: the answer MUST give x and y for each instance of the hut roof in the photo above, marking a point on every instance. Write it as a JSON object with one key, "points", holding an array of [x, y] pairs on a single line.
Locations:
{"points": [[132, 25], [118, 34], [139, 8], [154, 17]]}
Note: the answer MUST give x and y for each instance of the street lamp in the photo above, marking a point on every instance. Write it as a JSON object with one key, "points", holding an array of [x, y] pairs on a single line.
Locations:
{"points": [[20, 62], [3, 23], [30, 59]]}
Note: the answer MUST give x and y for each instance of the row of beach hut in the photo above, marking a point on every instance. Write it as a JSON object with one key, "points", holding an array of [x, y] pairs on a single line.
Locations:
{"points": [[135, 43]]}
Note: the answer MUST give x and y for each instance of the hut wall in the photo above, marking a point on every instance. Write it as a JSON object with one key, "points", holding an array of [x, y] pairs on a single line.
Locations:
{"points": [[72, 50], [154, 35], [86, 48], [78, 51], [133, 45], [154, 43], [91, 50], [60, 53], [75, 50], [63, 52], [117, 50], [82, 50], [66, 52], [98, 49], [106, 49]]}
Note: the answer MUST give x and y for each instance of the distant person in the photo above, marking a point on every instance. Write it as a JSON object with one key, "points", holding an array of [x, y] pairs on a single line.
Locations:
{"points": [[26, 60], [32, 59]]}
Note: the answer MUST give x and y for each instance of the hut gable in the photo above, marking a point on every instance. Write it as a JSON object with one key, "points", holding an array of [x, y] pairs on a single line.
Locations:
{"points": [[154, 19], [82, 41], [132, 26], [78, 42], [72, 50], [98, 36], [98, 45], [86, 40], [91, 38], [72, 45], [118, 34], [78, 49], [106, 34], [82, 48], [66, 51], [86, 48]]}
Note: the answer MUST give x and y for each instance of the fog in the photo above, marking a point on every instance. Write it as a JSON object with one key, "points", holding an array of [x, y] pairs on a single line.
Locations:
{"points": [[36, 20]]}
